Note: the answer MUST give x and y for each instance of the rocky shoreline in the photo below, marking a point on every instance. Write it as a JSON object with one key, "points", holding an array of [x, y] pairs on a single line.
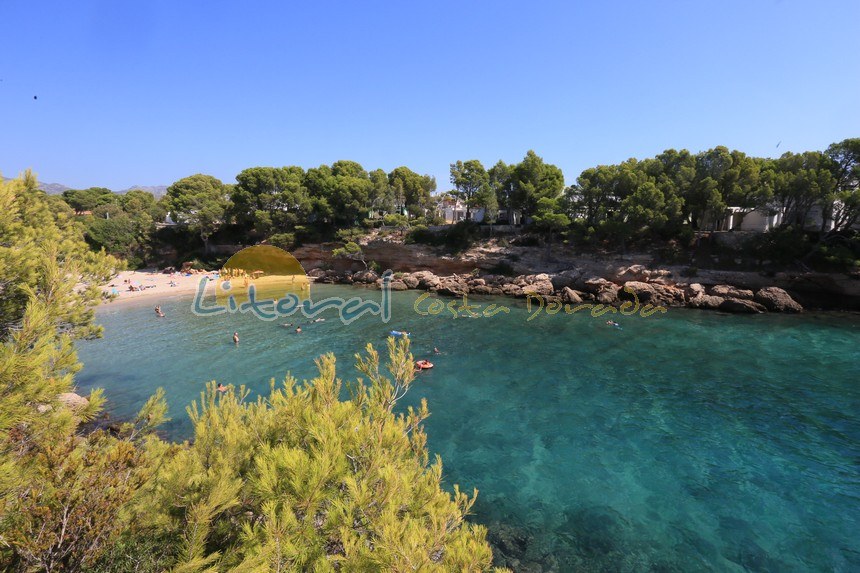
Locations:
{"points": [[592, 278], [577, 286]]}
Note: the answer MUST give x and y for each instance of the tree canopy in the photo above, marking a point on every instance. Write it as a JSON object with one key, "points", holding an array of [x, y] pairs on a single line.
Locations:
{"points": [[199, 201]]}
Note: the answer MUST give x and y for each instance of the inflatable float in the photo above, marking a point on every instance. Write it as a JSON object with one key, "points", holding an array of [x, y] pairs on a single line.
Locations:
{"points": [[423, 364]]}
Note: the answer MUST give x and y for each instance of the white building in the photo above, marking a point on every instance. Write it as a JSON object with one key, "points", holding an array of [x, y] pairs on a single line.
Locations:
{"points": [[761, 220], [454, 211]]}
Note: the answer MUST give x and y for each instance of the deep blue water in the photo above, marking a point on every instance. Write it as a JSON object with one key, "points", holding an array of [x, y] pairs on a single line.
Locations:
{"points": [[689, 441]]}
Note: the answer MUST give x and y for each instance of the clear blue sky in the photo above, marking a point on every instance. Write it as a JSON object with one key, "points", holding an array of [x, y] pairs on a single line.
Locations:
{"points": [[149, 92]]}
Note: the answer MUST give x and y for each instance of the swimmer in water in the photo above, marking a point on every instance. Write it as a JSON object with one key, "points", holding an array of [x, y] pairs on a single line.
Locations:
{"points": [[236, 338]]}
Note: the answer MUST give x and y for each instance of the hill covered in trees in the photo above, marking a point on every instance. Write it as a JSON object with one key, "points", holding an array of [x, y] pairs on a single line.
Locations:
{"points": [[657, 204]]}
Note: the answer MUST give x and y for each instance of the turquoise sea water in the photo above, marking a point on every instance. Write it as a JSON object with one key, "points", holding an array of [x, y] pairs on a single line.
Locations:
{"points": [[689, 441]]}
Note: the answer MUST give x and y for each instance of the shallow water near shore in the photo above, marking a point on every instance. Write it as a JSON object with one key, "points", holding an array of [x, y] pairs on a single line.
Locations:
{"points": [[689, 441]]}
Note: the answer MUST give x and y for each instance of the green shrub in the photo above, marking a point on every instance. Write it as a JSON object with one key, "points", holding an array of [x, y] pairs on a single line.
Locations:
{"points": [[528, 240], [783, 246], [394, 220], [284, 241], [461, 236], [198, 265], [351, 234], [419, 234]]}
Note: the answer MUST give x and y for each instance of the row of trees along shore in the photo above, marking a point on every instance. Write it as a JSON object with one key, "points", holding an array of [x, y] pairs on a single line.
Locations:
{"points": [[635, 203], [297, 481]]}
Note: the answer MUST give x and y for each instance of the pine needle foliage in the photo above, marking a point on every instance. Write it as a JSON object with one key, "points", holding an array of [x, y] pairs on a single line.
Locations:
{"points": [[305, 481], [62, 494]]}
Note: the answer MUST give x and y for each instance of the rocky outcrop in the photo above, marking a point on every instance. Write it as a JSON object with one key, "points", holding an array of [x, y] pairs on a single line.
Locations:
{"points": [[741, 306], [566, 269], [652, 293], [727, 291], [452, 286], [73, 401], [569, 278], [535, 284], [366, 277], [693, 291], [725, 298], [593, 281], [706, 302], [570, 296], [640, 273], [777, 300], [603, 290]]}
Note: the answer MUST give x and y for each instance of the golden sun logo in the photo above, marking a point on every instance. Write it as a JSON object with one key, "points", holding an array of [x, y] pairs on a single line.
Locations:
{"points": [[271, 273]]}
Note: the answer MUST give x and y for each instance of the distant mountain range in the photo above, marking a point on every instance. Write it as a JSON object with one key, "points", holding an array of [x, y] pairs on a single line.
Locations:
{"points": [[157, 190], [57, 188]]}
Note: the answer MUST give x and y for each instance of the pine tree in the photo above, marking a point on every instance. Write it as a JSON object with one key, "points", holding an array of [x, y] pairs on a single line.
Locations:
{"points": [[61, 494], [303, 480]]}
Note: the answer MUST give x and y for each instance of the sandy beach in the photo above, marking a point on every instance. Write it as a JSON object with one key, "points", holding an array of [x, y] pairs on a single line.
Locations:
{"points": [[152, 285]]}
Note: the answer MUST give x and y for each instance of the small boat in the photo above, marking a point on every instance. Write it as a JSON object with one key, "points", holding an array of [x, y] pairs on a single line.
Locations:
{"points": [[399, 333], [423, 364]]}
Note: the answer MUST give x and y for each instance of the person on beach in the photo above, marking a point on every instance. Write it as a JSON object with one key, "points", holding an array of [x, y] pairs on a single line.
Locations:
{"points": [[236, 338]]}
